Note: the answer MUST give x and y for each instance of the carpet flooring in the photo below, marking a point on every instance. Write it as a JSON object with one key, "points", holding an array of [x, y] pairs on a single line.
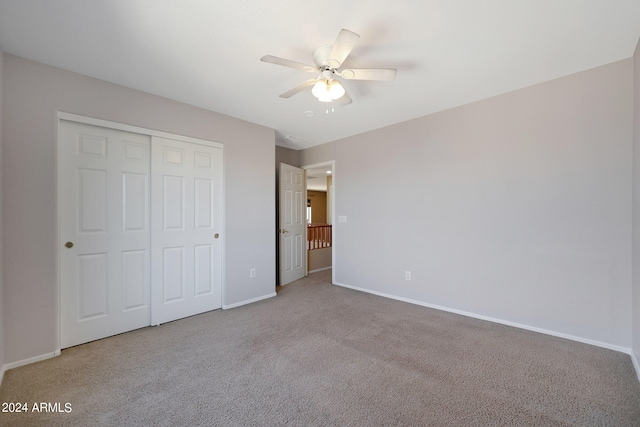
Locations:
{"points": [[322, 355]]}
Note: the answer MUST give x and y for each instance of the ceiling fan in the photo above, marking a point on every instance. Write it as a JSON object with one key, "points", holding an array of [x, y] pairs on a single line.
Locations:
{"points": [[328, 60]]}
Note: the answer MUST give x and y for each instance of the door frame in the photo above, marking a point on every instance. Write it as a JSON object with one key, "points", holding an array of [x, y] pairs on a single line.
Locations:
{"points": [[61, 115], [331, 163]]}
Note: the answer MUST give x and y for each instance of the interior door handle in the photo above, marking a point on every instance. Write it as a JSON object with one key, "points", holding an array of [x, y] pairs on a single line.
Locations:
{"points": [[284, 231]]}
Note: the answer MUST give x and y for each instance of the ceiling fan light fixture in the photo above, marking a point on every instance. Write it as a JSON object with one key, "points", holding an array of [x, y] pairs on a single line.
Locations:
{"points": [[328, 90], [321, 91], [336, 89]]}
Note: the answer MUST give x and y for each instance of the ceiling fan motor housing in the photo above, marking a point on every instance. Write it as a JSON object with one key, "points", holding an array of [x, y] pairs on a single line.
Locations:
{"points": [[320, 57], [327, 74]]}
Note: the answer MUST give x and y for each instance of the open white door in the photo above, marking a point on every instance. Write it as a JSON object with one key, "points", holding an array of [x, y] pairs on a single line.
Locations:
{"points": [[186, 228], [292, 226]]}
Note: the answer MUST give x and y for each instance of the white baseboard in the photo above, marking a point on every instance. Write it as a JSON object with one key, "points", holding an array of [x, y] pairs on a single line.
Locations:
{"points": [[320, 269], [249, 301], [636, 364], [503, 322], [28, 361]]}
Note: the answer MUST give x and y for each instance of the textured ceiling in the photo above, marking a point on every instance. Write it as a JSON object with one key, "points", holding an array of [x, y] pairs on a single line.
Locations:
{"points": [[207, 53]]}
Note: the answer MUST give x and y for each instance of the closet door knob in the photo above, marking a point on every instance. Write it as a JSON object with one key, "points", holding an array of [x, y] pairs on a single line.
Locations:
{"points": [[68, 245], [215, 236]]}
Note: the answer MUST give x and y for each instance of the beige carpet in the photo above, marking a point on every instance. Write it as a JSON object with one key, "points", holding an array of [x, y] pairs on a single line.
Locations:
{"points": [[321, 355]]}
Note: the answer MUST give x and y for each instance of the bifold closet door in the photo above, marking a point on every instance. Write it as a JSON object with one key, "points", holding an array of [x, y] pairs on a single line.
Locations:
{"points": [[186, 229], [104, 232]]}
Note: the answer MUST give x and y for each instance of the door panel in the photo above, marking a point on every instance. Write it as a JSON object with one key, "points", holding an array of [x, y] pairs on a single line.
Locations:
{"points": [[186, 227], [202, 273], [173, 202], [203, 203], [134, 212], [93, 200], [173, 274], [103, 213], [292, 224], [93, 287], [134, 271]]}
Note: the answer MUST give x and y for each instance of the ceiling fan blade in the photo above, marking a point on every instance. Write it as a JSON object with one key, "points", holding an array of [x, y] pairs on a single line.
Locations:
{"points": [[369, 74], [289, 63], [344, 99], [299, 88], [342, 48]]}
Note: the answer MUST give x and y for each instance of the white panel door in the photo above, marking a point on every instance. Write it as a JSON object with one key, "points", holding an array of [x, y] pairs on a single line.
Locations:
{"points": [[292, 224], [103, 197], [186, 223]]}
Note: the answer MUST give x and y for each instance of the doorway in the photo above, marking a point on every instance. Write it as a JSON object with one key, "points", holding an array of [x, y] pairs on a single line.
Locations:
{"points": [[320, 185]]}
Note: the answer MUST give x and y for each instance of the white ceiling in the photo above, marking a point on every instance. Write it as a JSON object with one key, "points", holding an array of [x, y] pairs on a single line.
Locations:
{"points": [[317, 177], [207, 52]]}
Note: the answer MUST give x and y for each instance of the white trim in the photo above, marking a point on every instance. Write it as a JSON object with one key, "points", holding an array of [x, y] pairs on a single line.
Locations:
{"points": [[249, 301], [320, 269], [57, 239], [28, 361], [134, 129], [636, 364], [500, 321]]}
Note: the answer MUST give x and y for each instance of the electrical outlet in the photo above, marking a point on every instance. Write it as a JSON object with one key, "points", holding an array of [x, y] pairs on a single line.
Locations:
{"points": [[252, 273], [407, 275]]}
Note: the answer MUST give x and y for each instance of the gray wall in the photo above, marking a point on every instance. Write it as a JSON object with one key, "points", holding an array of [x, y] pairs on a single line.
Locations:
{"points": [[516, 208], [636, 207], [288, 156], [32, 94]]}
